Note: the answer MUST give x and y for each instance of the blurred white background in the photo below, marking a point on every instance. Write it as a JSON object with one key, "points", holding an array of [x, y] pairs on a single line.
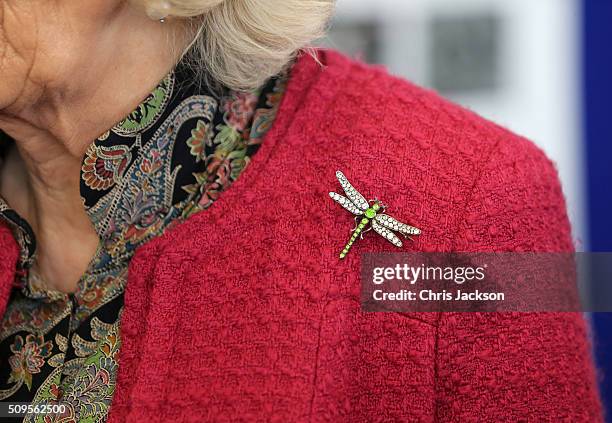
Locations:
{"points": [[516, 62]]}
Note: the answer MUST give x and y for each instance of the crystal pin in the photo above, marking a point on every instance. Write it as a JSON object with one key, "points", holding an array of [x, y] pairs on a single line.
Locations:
{"points": [[370, 216]]}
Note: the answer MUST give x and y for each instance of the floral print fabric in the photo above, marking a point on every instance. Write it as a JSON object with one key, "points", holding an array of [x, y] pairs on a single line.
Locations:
{"points": [[171, 157]]}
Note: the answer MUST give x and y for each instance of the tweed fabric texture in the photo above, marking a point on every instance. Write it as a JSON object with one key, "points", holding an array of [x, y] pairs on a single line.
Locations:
{"points": [[269, 328]]}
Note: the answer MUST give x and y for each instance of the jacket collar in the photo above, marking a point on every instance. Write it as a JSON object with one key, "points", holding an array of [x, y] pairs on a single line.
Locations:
{"points": [[9, 255]]}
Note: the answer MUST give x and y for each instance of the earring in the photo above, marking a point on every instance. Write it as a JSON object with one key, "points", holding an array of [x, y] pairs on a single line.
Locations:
{"points": [[159, 10]]}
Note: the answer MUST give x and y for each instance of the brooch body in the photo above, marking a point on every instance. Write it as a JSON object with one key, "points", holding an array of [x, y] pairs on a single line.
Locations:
{"points": [[369, 215]]}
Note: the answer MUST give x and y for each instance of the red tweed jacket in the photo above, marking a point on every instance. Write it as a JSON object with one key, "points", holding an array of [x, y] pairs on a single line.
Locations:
{"points": [[269, 328]]}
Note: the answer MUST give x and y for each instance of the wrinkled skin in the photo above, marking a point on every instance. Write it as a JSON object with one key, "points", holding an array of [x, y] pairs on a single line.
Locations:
{"points": [[69, 70]]}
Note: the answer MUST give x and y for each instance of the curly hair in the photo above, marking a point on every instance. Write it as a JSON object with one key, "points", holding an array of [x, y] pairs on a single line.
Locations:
{"points": [[241, 43]]}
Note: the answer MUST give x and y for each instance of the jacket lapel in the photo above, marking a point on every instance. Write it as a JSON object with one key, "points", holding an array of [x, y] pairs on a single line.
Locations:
{"points": [[9, 254]]}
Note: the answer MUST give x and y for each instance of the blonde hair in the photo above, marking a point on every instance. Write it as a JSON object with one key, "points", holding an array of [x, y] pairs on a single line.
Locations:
{"points": [[241, 43]]}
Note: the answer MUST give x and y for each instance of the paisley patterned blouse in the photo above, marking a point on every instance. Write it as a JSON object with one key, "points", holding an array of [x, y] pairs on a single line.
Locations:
{"points": [[170, 158]]}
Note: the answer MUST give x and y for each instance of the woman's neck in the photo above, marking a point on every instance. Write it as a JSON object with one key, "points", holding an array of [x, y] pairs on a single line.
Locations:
{"points": [[62, 99]]}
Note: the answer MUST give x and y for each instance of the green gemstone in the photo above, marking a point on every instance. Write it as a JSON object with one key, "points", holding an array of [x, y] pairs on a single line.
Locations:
{"points": [[370, 213], [364, 221], [376, 207]]}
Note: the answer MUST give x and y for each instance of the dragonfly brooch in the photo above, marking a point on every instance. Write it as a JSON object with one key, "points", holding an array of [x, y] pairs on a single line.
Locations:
{"points": [[369, 215]]}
